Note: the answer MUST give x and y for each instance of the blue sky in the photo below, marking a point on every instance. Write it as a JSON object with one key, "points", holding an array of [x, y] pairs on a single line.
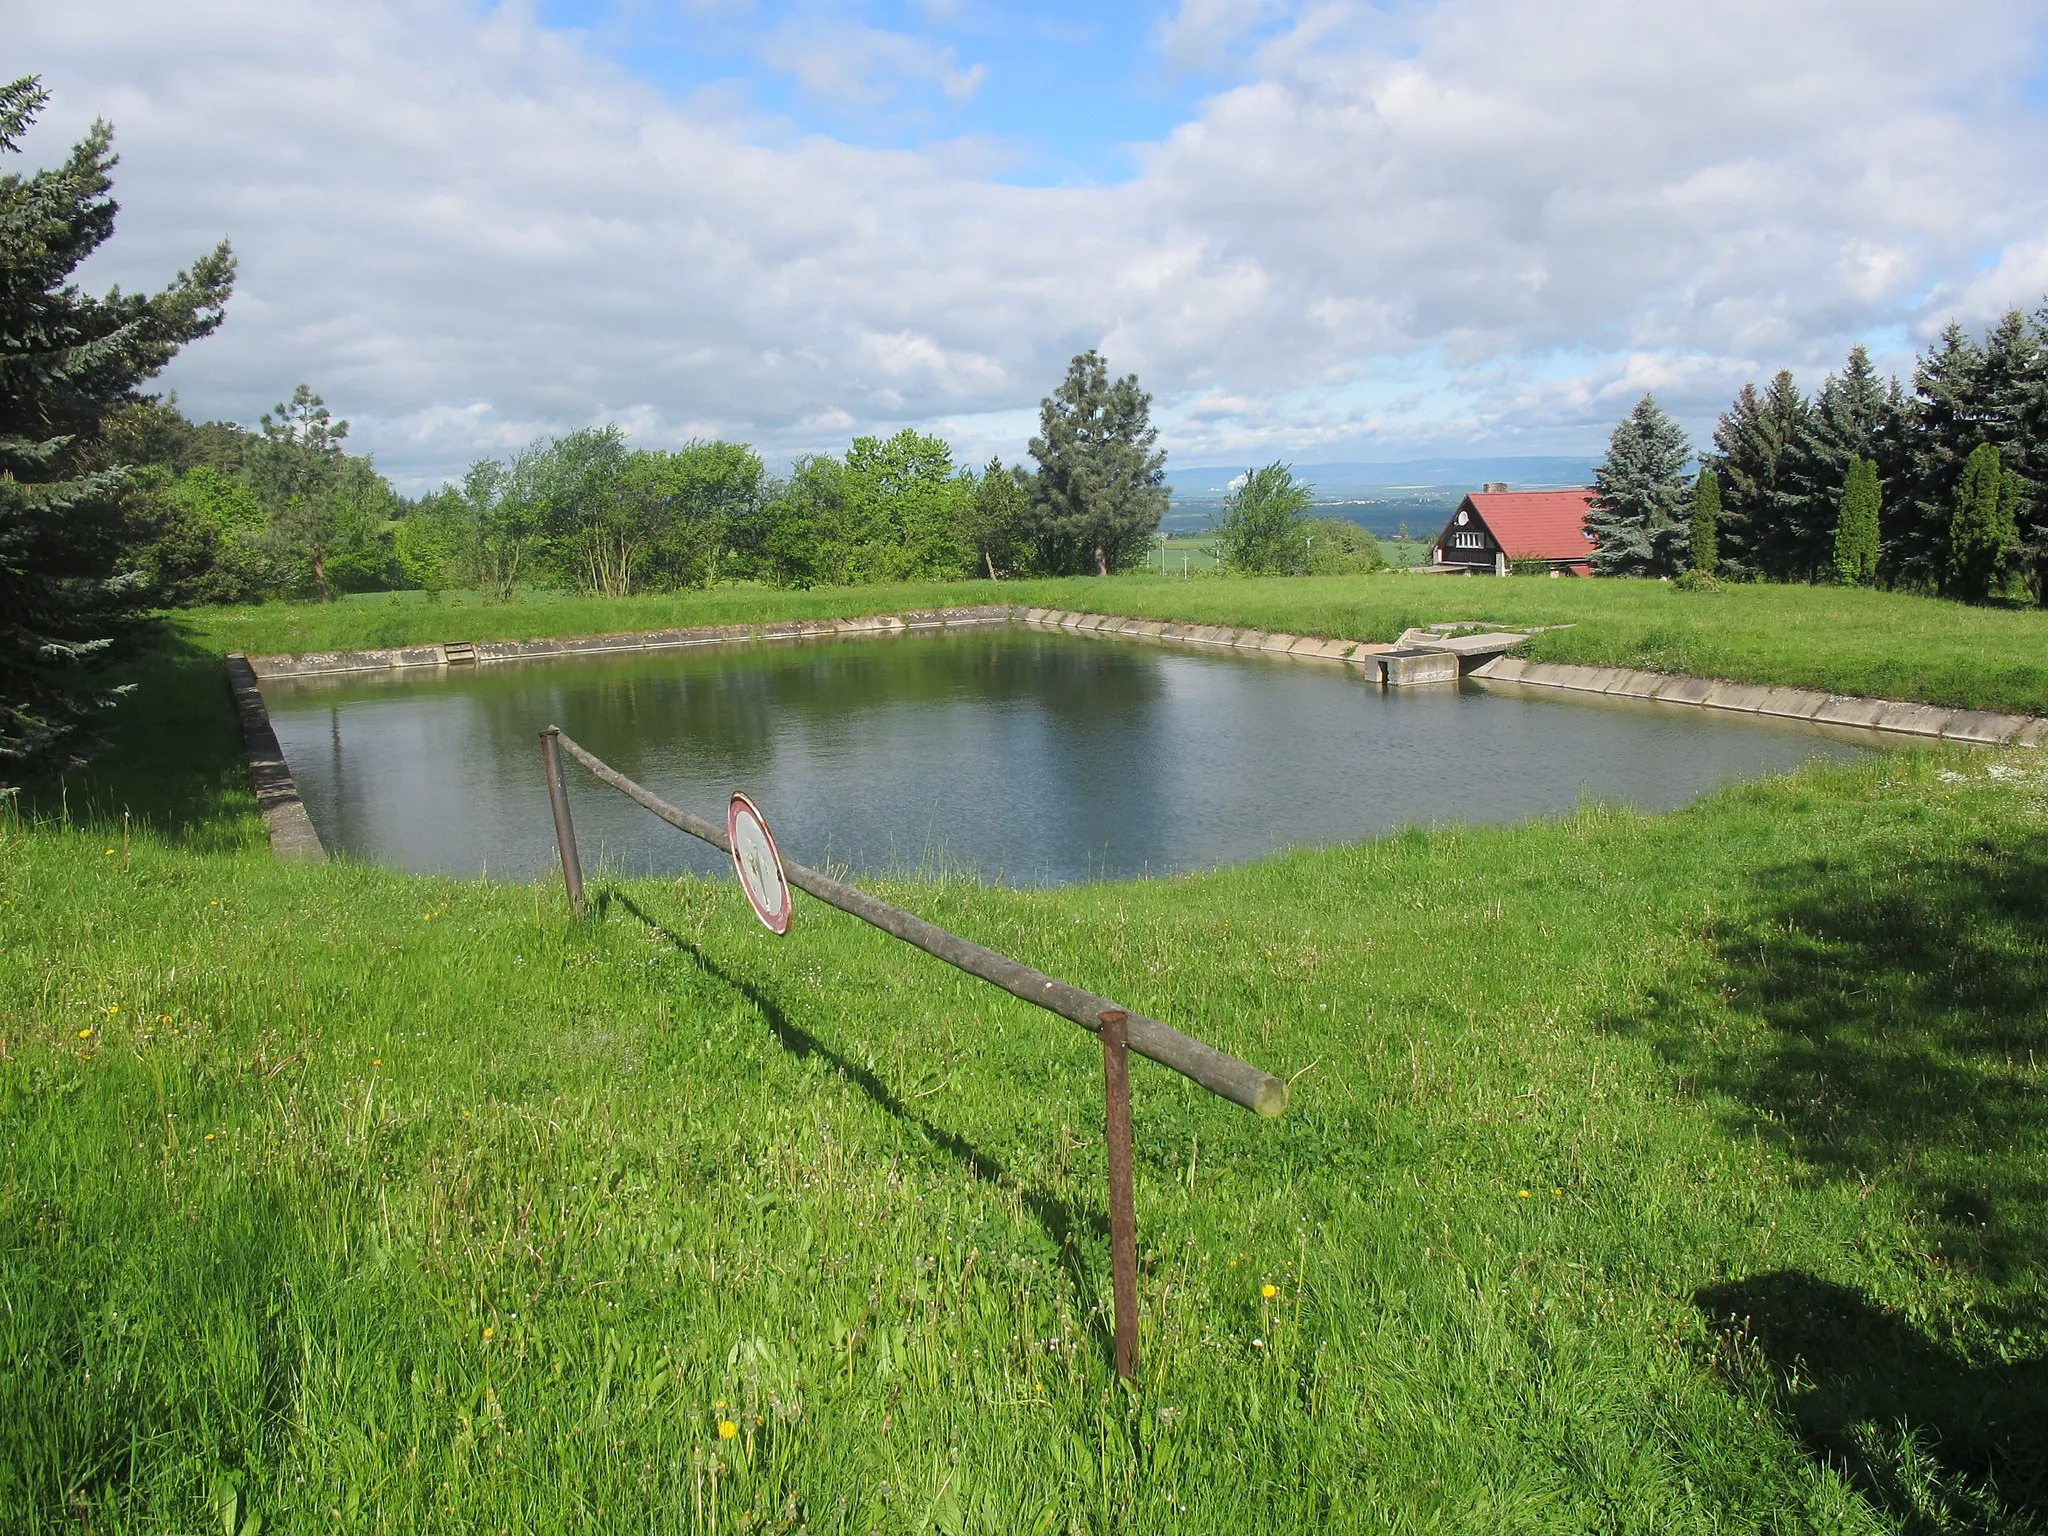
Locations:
{"points": [[1064, 89], [1322, 230]]}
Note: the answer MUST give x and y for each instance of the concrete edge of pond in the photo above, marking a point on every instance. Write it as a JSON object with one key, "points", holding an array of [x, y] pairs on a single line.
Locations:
{"points": [[481, 652], [292, 837], [1974, 726], [1977, 727]]}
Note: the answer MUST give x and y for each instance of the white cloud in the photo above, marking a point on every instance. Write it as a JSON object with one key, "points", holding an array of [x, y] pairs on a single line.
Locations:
{"points": [[1495, 223], [862, 66]]}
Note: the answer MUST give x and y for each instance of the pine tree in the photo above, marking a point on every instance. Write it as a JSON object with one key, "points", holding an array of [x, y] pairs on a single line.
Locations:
{"points": [[1856, 526], [1853, 416], [66, 360], [1100, 489], [1983, 536], [1751, 441], [1637, 512], [1704, 554], [1944, 424]]}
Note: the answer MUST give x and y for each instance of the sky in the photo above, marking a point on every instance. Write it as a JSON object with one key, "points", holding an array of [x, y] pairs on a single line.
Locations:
{"points": [[1317, 230]]}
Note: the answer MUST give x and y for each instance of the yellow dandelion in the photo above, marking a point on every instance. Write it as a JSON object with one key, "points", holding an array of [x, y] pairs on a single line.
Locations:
{"points": [[490, 1334], [376, 1061], [209, 1135], [727, 1429], [114, 1008], [1557, 1191], [1521, 1194], [110, 853], [163, 1018], [1269, 1291], [85, 1034]]}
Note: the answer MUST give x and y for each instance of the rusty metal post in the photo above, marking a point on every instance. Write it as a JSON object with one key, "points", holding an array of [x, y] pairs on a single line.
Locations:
{"points": [[1123, 1206], [565, 830]]}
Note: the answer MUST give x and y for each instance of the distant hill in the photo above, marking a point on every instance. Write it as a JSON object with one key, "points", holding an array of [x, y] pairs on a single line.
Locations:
{"points": [[1420, 493]]}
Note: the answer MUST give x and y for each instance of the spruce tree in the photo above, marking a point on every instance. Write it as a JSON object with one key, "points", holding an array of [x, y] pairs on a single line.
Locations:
{"points": [[1853, 416], [1704, 555], [1983, 537], [1100, 489], [1944, 424], [2013, 399], [67, 586], [1751, 442], [1856, 526], [1637, 515]]}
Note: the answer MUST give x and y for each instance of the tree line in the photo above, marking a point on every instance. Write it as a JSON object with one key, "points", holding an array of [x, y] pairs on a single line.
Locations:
{"points": [[225, 514], [1939, 489]]}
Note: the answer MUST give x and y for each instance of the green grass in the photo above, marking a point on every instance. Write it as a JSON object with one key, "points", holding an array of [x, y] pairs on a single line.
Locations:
{"points": [[1845, 640], [337, 1198], [281, 1144]]}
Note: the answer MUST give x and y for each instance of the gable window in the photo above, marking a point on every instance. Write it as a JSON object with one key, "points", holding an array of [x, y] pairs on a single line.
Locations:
{"points": [[1471, 540]]}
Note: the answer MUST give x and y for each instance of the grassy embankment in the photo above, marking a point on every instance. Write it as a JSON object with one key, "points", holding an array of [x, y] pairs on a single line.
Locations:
{"points": [[340, 1193], [1842, 639]]}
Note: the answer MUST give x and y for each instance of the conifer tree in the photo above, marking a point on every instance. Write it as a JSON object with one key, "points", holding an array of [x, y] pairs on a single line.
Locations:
{"points": [[1856, 526], [1944, 424], [1983, 537], [1704, 554], [1637, 515], [66, 361], [1751, 442], [1100, 489], [1853, 416]]}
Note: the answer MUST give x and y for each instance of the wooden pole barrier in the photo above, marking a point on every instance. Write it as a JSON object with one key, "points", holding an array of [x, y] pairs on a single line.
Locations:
{"points": [[1223, 1075], [1123, 1204], [565, 830]]}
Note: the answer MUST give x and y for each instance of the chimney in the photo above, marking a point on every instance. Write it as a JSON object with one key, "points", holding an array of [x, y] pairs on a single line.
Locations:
{"points": [[1493, 486]]}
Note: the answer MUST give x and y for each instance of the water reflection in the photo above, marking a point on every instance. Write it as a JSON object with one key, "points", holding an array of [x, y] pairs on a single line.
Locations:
{"points": [[1020, 755]]}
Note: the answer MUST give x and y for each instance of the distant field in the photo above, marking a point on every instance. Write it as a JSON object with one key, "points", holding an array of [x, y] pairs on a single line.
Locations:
{"points": [[1843, 639]]}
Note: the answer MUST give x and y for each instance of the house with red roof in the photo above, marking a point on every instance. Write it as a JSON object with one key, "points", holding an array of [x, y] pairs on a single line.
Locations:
{"points": [[1496, 526]]}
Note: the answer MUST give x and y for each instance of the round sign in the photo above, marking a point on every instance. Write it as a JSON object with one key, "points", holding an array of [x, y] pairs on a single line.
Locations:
{"points": [[757, 862]]}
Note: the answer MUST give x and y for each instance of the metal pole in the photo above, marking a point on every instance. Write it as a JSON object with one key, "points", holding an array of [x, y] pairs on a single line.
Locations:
{"points": [[1123, 1206], [565, 830]]}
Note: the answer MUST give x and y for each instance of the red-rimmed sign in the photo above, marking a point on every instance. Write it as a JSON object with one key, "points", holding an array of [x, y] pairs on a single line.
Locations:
{"points": [[758, 863]]}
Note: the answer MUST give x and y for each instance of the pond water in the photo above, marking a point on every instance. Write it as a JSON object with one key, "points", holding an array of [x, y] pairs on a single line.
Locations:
{"points": [[1018, 755]]}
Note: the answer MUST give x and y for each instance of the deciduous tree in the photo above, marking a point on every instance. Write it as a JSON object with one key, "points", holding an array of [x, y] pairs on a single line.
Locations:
{"points": [[1261, 530]]}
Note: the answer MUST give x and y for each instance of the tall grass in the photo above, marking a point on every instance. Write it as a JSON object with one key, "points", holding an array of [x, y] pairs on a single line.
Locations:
{"points": [[1676, 1173]]}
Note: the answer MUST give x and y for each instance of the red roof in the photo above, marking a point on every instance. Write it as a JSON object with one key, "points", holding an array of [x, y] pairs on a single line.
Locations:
{"points": [[1541, 525]]}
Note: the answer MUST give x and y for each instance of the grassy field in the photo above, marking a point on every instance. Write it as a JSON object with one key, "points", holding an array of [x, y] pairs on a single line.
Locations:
{"points": [[1843, 639], [1677, 1173]]}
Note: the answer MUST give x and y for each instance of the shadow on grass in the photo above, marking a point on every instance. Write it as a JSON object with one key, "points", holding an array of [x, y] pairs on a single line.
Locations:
{"points": [[1066, 1225], [1901, 991], [1936, 1443], [171, 753], [1905, 1003]]}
